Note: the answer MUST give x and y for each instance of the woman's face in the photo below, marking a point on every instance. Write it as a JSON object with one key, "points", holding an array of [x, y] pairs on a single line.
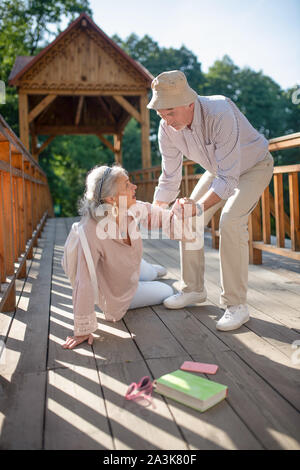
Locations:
{"points": [[126, 192]]}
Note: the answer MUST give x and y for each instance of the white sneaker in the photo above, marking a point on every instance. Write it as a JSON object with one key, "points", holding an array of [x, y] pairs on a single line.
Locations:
{"points": [[161, 270], [234, 317], [182, 299]]}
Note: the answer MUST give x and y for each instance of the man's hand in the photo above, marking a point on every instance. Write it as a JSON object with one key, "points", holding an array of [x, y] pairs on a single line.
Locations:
{"points": [[184, 207], [162, 204]]}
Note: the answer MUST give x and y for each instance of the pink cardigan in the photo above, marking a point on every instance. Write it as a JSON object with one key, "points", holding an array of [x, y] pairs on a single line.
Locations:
{"points": [[117, 268]]}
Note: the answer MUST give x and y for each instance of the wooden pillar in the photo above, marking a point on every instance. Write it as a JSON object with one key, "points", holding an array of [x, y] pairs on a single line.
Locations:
{"points": [[145, 132], [24, 119], [215, 235], [279, 209], [294, 211], [7, 207], [34, 146], [118, 148], [10, 303], [29, 215], [2, 234], [255, 234], [266, 215]]}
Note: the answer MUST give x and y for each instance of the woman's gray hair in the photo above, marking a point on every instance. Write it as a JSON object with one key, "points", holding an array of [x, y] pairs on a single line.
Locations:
{"points": [[101, 182]]}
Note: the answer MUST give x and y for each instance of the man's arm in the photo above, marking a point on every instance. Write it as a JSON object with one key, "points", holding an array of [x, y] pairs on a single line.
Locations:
{"points": [[209, 199], [162, 204], [169, 181]]}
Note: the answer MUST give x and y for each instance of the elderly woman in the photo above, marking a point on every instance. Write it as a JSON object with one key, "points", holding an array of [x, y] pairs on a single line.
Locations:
{"points": [[125, 281]]}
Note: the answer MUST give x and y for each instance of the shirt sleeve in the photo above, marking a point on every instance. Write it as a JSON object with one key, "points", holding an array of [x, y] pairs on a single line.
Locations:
{"points": [[171, 176], [227, 152], [155, 217]]}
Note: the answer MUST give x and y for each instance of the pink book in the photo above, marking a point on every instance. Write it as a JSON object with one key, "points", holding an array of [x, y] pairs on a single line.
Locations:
{"points": [[199, 367]]}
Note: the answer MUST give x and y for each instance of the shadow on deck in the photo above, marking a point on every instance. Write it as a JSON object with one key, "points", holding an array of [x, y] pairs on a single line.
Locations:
{"points": [[51, 398]]}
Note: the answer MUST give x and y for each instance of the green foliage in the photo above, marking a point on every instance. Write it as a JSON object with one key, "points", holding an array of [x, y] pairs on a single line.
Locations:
{"points": [[25, 29], [66, 161]]}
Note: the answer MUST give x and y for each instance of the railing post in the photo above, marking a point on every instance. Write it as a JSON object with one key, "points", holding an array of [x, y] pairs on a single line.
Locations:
{"points": [[265, 205], [255, 234], [215, 220], [2, 240], [294, 211], [29, 220], [10, 303], [279, 210]]}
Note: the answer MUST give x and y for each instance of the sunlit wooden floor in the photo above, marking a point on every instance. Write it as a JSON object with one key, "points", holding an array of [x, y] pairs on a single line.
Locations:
{"points": [[51, 398]]}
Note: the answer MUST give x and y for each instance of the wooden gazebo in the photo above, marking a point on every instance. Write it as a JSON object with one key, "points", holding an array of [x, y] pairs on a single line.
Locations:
{"points": [[81, 83]]}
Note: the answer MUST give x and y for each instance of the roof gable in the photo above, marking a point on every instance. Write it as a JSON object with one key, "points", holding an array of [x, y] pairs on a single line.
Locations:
{"points": [[82, 57]]}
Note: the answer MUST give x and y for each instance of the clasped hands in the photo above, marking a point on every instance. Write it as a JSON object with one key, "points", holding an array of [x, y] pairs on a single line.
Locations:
{"points": [[184, 207]]}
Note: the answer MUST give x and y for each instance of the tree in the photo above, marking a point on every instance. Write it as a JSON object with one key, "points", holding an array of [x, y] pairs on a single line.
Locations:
{"points": [[25, 30], [257, 96], [157, 60]]}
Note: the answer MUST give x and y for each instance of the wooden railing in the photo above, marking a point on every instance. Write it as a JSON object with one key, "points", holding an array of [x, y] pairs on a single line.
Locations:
{"points": [[25, 203], [260, 219]]}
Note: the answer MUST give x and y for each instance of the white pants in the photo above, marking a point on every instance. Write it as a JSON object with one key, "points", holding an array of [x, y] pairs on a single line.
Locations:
{"points": [[149, 291]]}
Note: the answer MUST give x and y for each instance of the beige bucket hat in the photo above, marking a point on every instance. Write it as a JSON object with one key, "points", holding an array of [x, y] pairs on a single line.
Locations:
{"points": [[171, 89]]}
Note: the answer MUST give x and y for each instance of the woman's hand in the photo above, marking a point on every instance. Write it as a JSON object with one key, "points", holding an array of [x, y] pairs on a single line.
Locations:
{"points": [[73, 341], [184, 207]]}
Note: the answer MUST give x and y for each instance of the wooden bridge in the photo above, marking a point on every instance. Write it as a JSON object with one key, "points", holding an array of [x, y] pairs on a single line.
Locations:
{"points": [[51, 398]]}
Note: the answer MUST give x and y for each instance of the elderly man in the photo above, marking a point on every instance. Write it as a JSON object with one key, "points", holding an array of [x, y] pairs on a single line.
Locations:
{"points": [[211, 131]]}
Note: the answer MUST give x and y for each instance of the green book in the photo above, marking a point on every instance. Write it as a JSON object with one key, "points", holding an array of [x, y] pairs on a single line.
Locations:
{"points": [[191, 390]]}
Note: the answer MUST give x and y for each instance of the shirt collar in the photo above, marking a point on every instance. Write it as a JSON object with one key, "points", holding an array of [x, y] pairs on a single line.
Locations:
{"points": [[197, 117]]}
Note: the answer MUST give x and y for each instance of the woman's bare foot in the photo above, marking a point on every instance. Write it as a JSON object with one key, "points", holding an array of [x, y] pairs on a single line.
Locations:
{"points": [[73, 341]]}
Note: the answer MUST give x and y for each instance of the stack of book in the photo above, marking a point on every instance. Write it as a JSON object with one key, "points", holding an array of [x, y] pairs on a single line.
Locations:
{"points": [[190, 389]]}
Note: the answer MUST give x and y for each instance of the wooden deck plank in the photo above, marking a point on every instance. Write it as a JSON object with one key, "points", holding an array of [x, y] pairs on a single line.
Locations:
{"points": [[135, 426], [22, 410], [271, 364], [23, 377], [262, 298], [216, 429], [162, 344], [267, 322], [243, 382], [84, 389], [75, 416]]}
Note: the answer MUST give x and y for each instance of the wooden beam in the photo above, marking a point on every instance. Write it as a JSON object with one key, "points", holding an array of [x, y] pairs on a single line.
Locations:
{"points": [[63, 130], [79, 109], [41, 106], [128, 107], [284, 142], [145, 132], [86, 92], [106, 109], [23, 120], [277, 250], [45, 144], [107, 143], [286, 169], [118, 148]]}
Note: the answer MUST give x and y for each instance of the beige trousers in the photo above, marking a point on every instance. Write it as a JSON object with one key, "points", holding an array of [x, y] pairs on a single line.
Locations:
{"points": [[234, 236]]}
